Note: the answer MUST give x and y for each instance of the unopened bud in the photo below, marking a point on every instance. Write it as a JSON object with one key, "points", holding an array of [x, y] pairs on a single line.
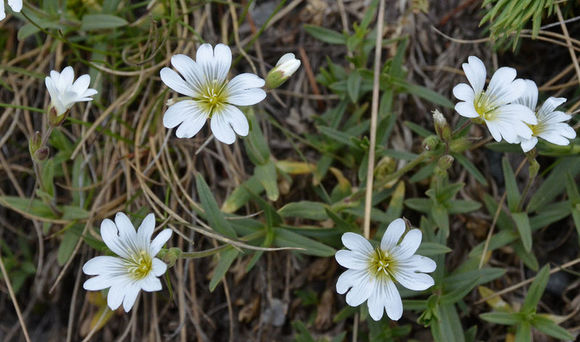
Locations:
{"points": [[41, 154], [35, 142], [430, 142], [286, 67], [385, 167], [441, 127], [534, 168], [445, 162], [170, 255]]}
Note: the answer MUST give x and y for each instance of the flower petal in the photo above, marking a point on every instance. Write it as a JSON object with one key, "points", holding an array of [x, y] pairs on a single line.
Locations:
{"points": [[16, 5], [175, 82], [393, 234], [466, 109], [529, 97], [503, 88], [103, 265], [223, 61], [352, 259], [549, 106], [286, 58], [116, 295], [235, 118], [377, 301], [180, 112], [66, 79], [360, 290], [98, 283], [159, 267], [528, 144], [126, 229], [244, 90], [409, 245], [110, 235], [190, 127], [150, 283], [418, 263], [159, 241], [357, 242], [131, 293], [2, 11], [190, 70], [81, 84], [475, 72], [348, 279], [145, 231], [463, 92], [221, 129], [413, 280], [393, 303]]}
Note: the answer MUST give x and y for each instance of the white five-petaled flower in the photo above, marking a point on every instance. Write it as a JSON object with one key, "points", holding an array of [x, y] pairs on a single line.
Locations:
{"points": [[494, 106], [372, 272], [16, 6], [286, 67], [64, 93], [209, 94], [135, 268], [551, 125]]}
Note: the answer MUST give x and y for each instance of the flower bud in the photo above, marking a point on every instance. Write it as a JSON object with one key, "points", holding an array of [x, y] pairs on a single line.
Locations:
{"points": [[286, 67], [430, 142], [170, 256], [445, 162], [441, 127], [35, 142], [41, 154]]}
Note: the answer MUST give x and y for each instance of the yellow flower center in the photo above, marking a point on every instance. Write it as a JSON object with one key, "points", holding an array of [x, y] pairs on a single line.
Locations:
{"points": [[140, 265], [382, 264], [213, 97], [485, 107]]}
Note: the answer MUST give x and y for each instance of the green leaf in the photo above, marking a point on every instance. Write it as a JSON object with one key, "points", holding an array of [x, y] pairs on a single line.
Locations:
{"points": [[553, 185], [441, 217], [523, 332], [419, 204], [68, 243], [457, 294], [92, 22], [536, 290], [325, 35], [286, 238], [70, 212], [241, 195], [462, 206], [504, 318], [266, 174], [511, 188], [227, 257], [523, 225], [213, 215], [353, 85], [528, 258], [574, 196], [304, 209], [27, 206], [549, 327], [447, 327], [470, 167], [432, 248], [424, 93]]}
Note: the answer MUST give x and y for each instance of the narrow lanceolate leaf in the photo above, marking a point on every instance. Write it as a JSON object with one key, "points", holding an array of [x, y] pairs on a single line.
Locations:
{"points": [[242, 195], [523, 332], [574, 196], [266, 174], [504, 318], [523, 225], [101, 21], [553, 185], [325, 35], [549, 327], [214, 216], [304, 209], [227, 257], [287, 238], [511, 187], [536, 290]]}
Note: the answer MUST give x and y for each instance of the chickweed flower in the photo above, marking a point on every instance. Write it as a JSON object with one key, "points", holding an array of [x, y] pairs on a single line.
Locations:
{"points": [[372, 272], [64, 93], [209, 95], [494, 106], [16, 6], [135, 267], [551, 126], [286, 67]]}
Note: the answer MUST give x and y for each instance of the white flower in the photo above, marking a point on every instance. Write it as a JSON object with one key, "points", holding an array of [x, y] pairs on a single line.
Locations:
{"points": [[210, 95], [64, 93], [550, 126], [135, 268], [16, 6], [286, 67], [494, 106], [372, 272]]}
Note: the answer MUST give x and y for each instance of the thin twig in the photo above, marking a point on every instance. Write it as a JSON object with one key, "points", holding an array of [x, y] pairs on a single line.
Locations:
{"points": [[374, 114], [568, 42], [13, 298]]}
